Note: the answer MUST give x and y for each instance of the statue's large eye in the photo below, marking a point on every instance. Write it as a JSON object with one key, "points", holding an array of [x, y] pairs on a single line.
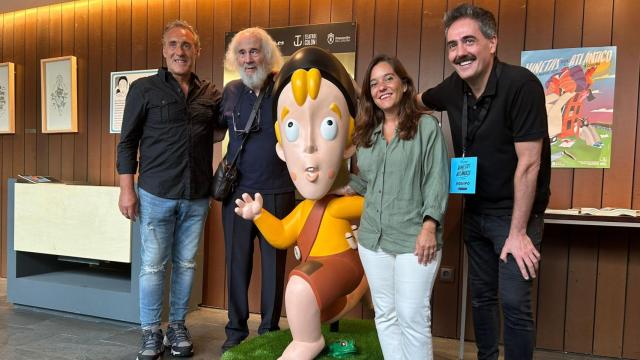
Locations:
{"points": [[329, 128], [291, 130]]}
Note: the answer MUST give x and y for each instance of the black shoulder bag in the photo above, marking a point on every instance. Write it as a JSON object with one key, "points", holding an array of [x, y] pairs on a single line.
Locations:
{"points": [[226, 175]]}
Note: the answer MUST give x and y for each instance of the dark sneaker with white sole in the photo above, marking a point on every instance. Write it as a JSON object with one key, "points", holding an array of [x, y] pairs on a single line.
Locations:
{"points": [[152, 347], [178, 340]]}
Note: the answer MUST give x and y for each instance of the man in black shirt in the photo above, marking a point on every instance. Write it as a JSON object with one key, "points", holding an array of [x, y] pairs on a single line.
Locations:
{"points": [[170, 118], [506, 129], [255, 56]]}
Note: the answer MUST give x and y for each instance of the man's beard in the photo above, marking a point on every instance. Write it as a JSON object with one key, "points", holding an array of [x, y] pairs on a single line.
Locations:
{"points": [[255, 80]]}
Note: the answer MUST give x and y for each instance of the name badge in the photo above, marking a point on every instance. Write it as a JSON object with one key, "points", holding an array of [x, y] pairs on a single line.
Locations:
{"points": [[463, 175]]}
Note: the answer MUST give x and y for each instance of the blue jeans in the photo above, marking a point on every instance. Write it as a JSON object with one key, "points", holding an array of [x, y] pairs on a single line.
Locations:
{"points": [[168, 227], [488, 276]]}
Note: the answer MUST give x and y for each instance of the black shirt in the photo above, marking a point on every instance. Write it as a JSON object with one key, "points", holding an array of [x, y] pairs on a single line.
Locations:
{"points": [[259, 167], [174, 134], [511, 109]]}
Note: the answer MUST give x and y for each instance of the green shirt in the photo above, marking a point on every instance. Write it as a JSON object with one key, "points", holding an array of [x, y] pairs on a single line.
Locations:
{"points": [[403, 183]]}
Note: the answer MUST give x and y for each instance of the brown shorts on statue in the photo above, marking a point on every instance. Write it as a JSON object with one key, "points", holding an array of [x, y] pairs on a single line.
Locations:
{"points": [[331, 278]]}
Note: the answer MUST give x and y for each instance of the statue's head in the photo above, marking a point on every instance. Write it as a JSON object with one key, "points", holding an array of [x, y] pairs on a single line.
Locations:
{"points": [[315, 105]]}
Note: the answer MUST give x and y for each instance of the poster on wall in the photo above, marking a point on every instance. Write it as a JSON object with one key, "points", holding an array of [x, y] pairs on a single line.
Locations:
{"points": [[7, 99], [579, 88], [337, 38], [59, 95], [120, 81]]}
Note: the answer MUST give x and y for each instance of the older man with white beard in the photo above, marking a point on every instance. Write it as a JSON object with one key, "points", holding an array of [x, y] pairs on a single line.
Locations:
{"points": [[255, 56]]}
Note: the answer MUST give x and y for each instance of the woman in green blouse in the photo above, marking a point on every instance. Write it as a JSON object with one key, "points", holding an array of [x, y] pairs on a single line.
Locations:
{"points": [[403, 162]]}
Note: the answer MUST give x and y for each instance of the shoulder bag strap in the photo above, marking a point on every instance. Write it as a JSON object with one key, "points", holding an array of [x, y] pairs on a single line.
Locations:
{"points": [[252, 117]]}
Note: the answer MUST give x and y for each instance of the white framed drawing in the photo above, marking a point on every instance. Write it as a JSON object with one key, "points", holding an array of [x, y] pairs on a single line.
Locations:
{"points": [[120, 81], [7, 99], [58, 83]]}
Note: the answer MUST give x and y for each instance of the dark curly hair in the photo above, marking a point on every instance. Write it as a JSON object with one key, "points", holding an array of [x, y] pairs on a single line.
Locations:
{"points": [[370, 115]]}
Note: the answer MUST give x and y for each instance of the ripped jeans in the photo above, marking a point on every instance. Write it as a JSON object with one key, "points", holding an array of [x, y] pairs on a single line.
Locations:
{"points": [[168, 227]]}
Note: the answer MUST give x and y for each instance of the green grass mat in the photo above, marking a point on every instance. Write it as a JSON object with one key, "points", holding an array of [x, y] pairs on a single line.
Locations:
{"points": [[271, 345]]}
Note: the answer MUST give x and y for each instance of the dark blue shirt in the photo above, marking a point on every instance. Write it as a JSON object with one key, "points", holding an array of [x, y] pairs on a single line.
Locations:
{"points": [[259, 167]]}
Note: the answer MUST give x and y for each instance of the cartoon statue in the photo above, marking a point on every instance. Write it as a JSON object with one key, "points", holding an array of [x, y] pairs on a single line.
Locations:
{"points": [[315, 105]]}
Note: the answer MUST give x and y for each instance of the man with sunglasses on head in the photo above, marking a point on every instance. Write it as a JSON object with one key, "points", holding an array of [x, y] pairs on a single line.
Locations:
{"points": [[255, 56]]}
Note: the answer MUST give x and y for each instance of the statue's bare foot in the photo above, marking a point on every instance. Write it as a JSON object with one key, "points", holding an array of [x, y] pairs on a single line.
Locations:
{"points": [[298, 350]]}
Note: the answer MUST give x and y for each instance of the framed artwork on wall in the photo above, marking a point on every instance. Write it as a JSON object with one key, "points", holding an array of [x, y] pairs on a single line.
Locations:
{"points": [[59, 95], [120, 81], [7, 99]]}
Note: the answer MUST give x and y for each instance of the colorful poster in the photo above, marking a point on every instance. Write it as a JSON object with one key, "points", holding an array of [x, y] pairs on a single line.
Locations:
{"points": [[579, 91]]}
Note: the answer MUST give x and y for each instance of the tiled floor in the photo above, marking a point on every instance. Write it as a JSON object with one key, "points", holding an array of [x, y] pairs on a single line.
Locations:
{"points": [[31, 334]]}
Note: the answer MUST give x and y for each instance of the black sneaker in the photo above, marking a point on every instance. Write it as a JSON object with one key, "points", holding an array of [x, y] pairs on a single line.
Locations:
{"points": [[179, 340], [152, 347]]}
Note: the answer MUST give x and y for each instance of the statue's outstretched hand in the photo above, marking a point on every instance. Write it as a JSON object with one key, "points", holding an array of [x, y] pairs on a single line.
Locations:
{"points": [[248, 208]]}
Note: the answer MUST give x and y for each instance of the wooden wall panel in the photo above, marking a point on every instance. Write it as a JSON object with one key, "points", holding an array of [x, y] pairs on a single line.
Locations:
{"points": [[618, 180], [31, 87], [204, 25], [42, 52], [55, 50], [610, 294], [67, 141], [552, 288], [122, 62], [511, 33], [581, 268], [81, 50], [539, 30], [109, 64], [155, 25], [364, 15], [188, 11], [319, 11], [386, 27], [299, 12], [409, 19], [240, 15], [278, 13], [631, 345], [341, 11], [6, 142], [139, 28], [171, 10], [636, 173], [260, 13], [18, 60], [581, 290], [215, 292], [94, 102]]}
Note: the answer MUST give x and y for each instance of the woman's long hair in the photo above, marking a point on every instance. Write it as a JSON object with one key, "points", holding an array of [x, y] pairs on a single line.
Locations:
{"points": [[370, 115]]}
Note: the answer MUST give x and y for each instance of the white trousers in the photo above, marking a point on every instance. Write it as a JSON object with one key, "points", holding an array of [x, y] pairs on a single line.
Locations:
{"points": [[401, 293]]}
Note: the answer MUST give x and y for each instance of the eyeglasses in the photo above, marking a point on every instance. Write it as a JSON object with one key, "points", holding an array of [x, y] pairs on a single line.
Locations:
{"points": [[235, 118]]}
